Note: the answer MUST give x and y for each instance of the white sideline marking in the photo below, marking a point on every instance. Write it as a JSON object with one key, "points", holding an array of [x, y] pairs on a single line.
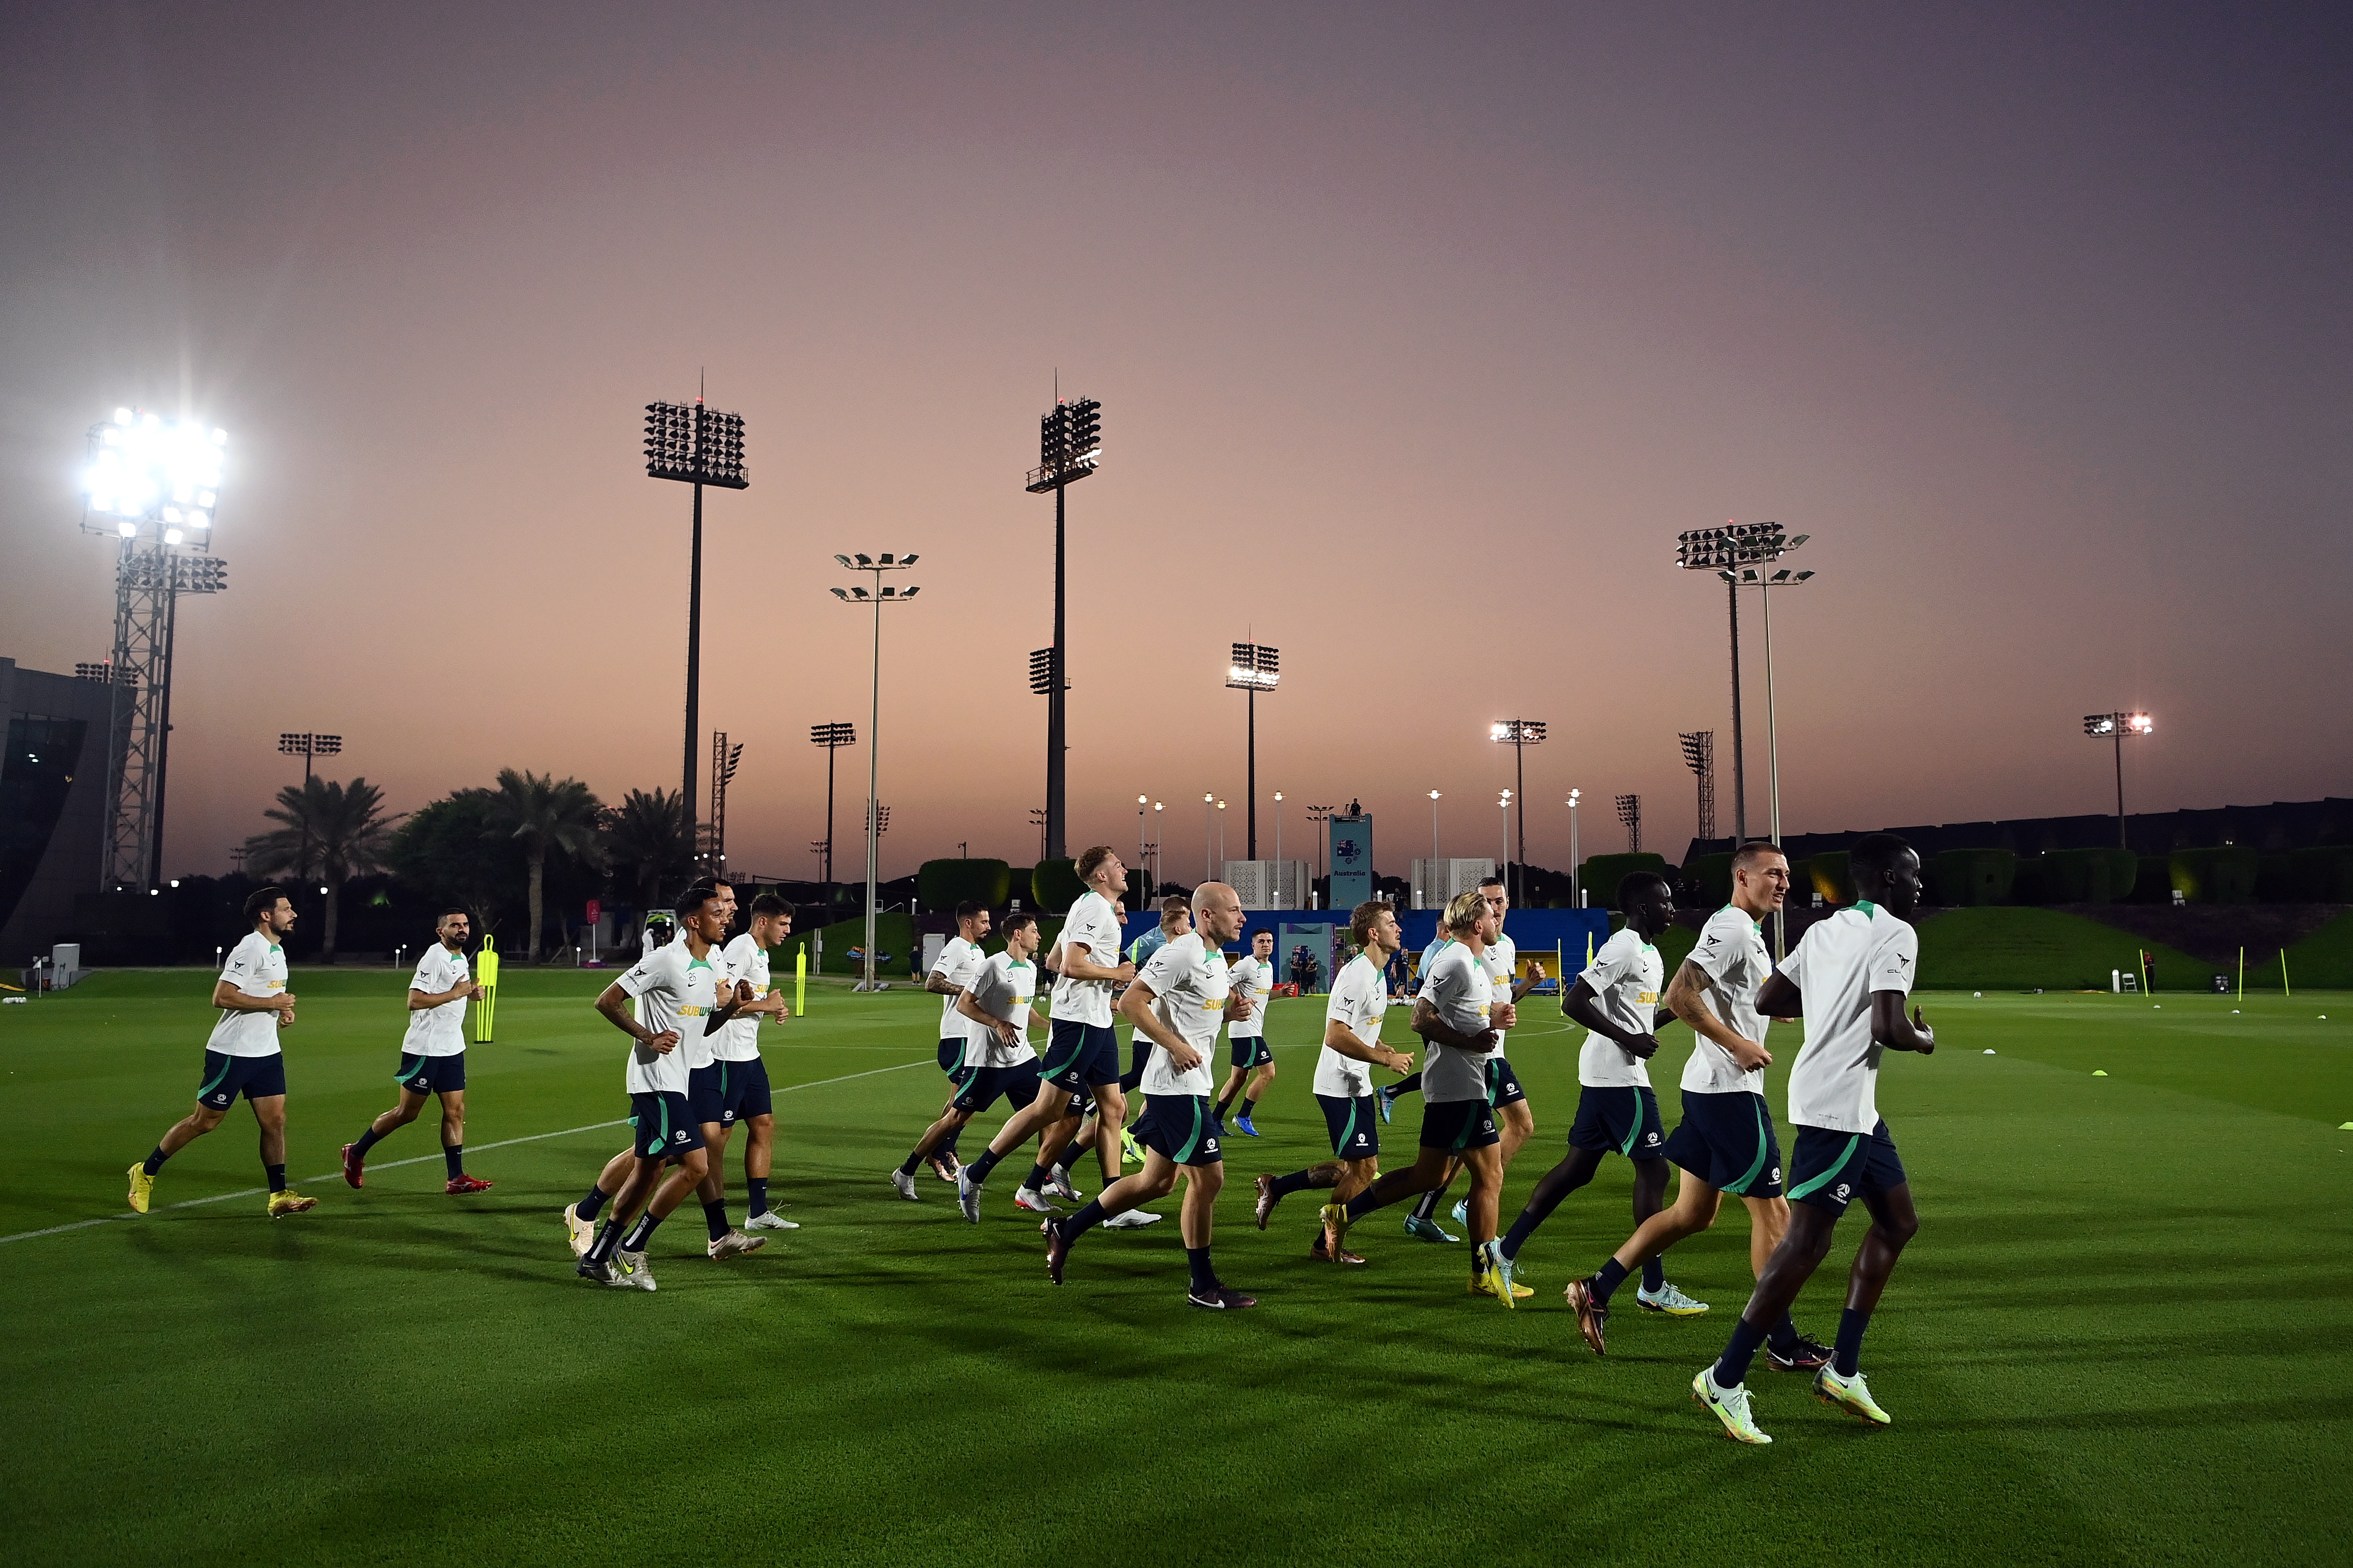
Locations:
{"points": [[415, 1160]]}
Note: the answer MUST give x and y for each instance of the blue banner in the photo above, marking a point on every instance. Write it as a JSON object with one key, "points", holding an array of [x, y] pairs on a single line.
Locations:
{"points": [[1352, 861]]}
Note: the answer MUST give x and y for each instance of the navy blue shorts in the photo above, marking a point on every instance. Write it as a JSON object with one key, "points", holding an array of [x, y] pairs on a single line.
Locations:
{"points": [[952, 1057], [756, 1097], [982, 1086], [432, 1075], [1079, 1056], [1727, 1141], [1455, 1125], [256, 1077], [1251, 1051], [1826, 1169], [1503, 1083], [715, 1094], [1619, 1121], [1184, 1127], [1354, 1125], [666, 1127]]}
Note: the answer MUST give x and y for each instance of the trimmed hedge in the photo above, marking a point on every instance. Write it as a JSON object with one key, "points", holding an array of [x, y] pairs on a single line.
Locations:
{"points": [[1604, 872], [1972, 878], [942, 884], [1827, 873], [1710, 876], [2225, 875], [2154, 883], [1055, 885], [2317, 876], [2088, 875]]}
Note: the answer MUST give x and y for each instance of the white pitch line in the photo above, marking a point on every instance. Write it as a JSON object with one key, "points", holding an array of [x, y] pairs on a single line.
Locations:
{"points": [[418, 1160]]}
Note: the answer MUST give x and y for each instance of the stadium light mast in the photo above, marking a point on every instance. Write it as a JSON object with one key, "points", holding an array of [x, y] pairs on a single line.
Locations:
{"points": [[1255, 668], [1320, 816], [880, 596], [832, 737], [1070, 445], [1433, 827], [2116, 727], [1725, 551], [154, 488], [306, 747], [697, 446], [1699, 756], [1576, 867], [1519, 734]]}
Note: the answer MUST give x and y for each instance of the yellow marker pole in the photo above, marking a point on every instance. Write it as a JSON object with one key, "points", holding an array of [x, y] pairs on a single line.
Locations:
{"points": [[2243, 975], [1560, 957], [800, 981], [2283, 990], [486, 972]]}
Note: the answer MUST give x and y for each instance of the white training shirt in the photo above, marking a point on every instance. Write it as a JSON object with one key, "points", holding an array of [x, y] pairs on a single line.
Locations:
{"points": [[1003, 987], [675, 990], [1458, 985], [438, 1031], [1502, 962], [738, 1039], [958, 962], [1189, 986], [1837, 964], [1254, 980], [1092, 931], [1731, 957], [1360, 1001], [257, 967], [1626, 976]]}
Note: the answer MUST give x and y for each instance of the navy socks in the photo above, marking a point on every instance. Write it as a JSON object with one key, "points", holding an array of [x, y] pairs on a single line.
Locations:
{"points": [[155, 1160], [759, 1187], [1731, 1367], [1846, 1356], [454, 1156], [593, 1204], [715, 1218]]}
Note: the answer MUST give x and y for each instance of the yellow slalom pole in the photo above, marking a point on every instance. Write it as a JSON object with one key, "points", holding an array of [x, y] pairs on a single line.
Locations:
{"points": [[1560, 958], [2243, 975], [2283, 990], [800, 981], [486, 975]]}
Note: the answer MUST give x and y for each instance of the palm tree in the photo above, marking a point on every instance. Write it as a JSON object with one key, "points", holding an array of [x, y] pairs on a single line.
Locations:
{"points": [[645, 836], [547, 813], [340, 829]]}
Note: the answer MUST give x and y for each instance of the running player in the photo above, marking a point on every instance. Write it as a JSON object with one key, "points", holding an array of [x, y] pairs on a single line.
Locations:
{"points": [[1726, 1143], [243, 1056], [733, 1090], [433, 1057], [678, 985], [1617, 1000], [1253, 977], [1513, 1118], [1344, 1080], [1081, 1052], [1457, 1013], [998, 1061], [1177, 1002], [959, 960], [1848, 978]]}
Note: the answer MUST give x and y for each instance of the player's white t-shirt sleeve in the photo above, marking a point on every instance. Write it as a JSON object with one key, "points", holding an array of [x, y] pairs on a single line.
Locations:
{"points": [[1895, 960]]}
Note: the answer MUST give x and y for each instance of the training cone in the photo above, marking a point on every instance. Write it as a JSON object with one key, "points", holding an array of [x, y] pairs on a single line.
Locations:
{"points": [[2099, 1072], [1989, 1051]]}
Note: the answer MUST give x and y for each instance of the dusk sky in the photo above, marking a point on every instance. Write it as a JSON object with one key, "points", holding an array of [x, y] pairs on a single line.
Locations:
{"points": [[1420, 333]]}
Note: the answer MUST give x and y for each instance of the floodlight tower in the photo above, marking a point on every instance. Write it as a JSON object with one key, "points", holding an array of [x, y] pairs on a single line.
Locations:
{"points": [[307, 746], [155, 488], [1070, 444], [697, 446], [832, 737], [1576, 867], [1725, 551], [725, 760], [2116, 727], [1255, 668], [1519, 734], [879, 598], [1699, 756], [1629, 812]]}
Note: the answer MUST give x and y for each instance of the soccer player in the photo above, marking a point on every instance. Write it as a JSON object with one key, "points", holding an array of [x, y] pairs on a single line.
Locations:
{"points": [[1457, 1013], [733, 1090], [1724, 1143], [1344, 1080], [1081, 1052], [1512, 1118], [1848, 978], [678, 989], [1176, 1002], [433, 1056], [998, 1061], [960, 959], [243, 1056], [1617, 1000], [1253, 977]]}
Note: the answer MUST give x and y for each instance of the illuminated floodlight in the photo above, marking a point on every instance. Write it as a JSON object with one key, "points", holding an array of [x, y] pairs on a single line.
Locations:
{"points": [[1255, 667], [140, 469]]}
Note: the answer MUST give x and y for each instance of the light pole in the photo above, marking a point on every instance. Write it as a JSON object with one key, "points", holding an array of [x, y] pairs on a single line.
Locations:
{"points": [[1519, 734], [697, 446], [1222, 838], [1278, 831], [1255, 668], [880, 596], [153, 488], [1037, 821], [1725, 551], [1141, 801], [1208, 835], [832, 737], [2116, 727], [1159, 837], [1699, 756], [1629, 812], [307, 747], [1765, 582], [1575, 865], [1433, 827], [1319, 815], [1070, 445], [1506, 804]]}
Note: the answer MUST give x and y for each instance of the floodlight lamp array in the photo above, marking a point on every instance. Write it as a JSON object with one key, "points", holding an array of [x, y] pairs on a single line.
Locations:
{"points": [[1255, 667], [2102, 726], [695, 445], [1516, 731], [306, 745], [1042, 672], [1070, 444], [833, 734], [1735, 545], [142, 469]]}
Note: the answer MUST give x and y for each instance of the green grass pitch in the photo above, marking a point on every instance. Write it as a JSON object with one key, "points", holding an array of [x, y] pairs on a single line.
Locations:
{"points": [[2120, 1336]]}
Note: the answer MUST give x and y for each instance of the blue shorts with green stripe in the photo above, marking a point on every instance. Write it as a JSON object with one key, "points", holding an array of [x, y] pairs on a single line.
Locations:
{"points": [[1079, 1056], [432, 1075], [226, 1076], [1727, 1141], [1354, 1125], [1455, 1125], [714, 1094], [1826, 1169], [1182, 1126], [665, 1126], [1621, 1121]]}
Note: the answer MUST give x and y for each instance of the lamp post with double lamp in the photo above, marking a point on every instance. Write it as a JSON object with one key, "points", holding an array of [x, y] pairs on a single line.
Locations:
{"points": [[1209, 833], [1221, 835], [1725, 551], [699, 446], [1765, 581], [1433, 828], [1519, 734], [875, 566], [1255, 668], [1506, 804], [1575, 865], [1278, 835], [306, 747], [1157, 807], [2116, 727], [832, 737], [1319, 816], [1070, 445]]}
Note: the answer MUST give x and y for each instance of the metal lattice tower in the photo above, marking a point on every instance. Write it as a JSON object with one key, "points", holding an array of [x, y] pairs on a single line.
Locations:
{"points": [[724, 759], [1629, 812], [1699, 756]]}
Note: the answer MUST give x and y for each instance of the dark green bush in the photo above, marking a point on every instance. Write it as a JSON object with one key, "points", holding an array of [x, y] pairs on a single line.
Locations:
{"points": [[1055, 885], [1604, 872], [1712, 876], [942, 884], [2089, 875], [1971, 877], [2154, 883], [1828, 875], [2225, 874]]}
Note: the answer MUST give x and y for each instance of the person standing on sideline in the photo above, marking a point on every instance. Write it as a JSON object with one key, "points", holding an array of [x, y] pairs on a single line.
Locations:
{"points": [[243, 1055], [432, 1057]]}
